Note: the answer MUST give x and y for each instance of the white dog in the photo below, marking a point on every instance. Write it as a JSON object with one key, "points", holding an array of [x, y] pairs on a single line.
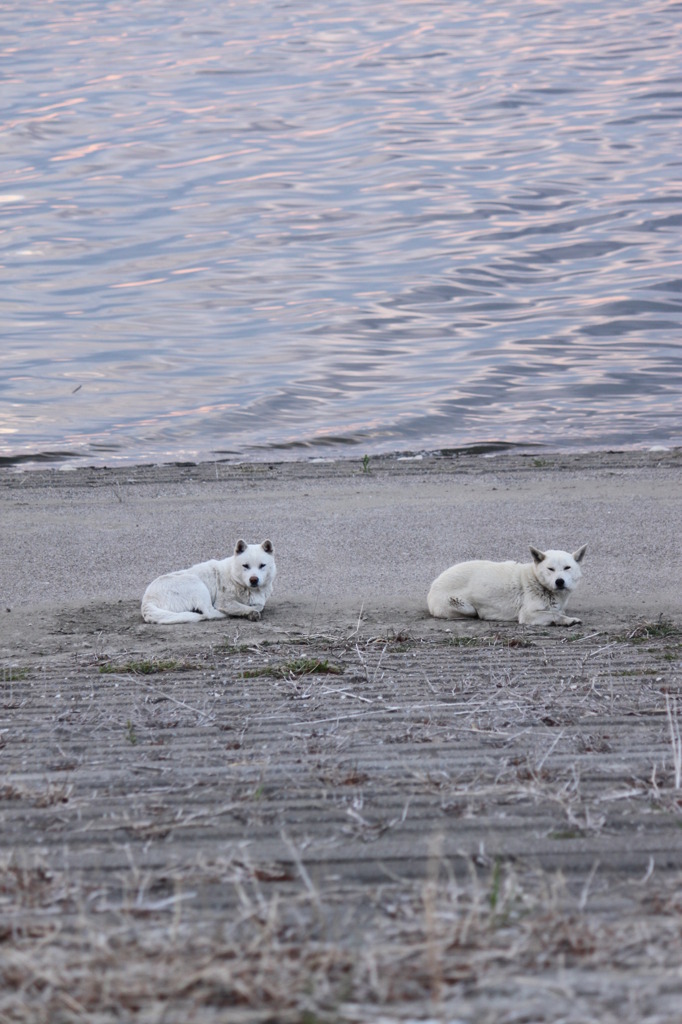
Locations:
{"points": [[535, 593], [238, 585]]}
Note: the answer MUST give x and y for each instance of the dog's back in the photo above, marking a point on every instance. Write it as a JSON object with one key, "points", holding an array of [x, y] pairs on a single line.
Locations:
{"points": [[186, 595], [479, 588]]}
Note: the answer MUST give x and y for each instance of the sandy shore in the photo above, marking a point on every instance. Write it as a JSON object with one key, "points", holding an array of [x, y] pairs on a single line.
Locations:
{"points": [[348, 811], [348, 540]]}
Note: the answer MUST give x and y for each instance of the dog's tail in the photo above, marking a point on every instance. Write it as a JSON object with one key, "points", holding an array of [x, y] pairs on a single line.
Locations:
{"points": [[162, 617]]}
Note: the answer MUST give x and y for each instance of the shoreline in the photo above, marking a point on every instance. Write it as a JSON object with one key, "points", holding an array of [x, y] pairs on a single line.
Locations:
{"points": [[476, 457], [52, 462]]}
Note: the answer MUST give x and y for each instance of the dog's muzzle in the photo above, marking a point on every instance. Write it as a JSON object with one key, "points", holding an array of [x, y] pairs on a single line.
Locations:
{"points": [[254, 581], [560, 585]]}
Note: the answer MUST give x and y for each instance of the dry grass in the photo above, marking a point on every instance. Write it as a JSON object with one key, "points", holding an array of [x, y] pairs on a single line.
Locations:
{"points": [[73, 955], [485, 832]]}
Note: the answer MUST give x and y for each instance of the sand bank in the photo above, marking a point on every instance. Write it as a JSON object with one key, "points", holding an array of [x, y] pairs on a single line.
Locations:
{"points": [[347, 812]]}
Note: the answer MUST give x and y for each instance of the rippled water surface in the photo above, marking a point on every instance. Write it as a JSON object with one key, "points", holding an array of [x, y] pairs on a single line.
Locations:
{"points": [[261, 227]]}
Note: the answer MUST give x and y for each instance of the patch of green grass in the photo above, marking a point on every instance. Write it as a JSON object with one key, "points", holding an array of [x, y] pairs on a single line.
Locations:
{"points": [[297, 667], [130, 734], [489, 640], [661, 638], [662, 629], [467, 641], [227, 647], [14, 673], [147, 667], [566, 833]]}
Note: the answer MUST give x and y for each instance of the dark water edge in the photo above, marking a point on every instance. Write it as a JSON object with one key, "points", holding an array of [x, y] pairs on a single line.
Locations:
{"points": [[61, 465]]}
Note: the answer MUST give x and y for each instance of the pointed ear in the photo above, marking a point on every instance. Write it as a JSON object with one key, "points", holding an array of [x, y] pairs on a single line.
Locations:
{"points": [[267, 547], [578, 555], [240, 546], [538, 556]]}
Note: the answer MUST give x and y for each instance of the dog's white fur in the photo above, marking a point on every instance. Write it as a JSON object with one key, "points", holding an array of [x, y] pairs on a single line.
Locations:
{"points": [[534, 593], [239, 585]]}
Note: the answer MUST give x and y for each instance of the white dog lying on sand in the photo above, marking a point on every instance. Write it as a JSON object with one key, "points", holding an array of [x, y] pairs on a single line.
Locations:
{"points": [[534, 593], [238, 585]]}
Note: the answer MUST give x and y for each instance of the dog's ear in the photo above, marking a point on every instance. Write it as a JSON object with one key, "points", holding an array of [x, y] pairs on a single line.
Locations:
{"points": [[240, 546], [578, 555], [267, 547], [538, 556]]}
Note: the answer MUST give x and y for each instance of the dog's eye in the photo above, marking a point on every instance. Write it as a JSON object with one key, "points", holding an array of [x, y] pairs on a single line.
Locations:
{"points": [[567, 568], [262, 565], [245, 565], [550, 569]]}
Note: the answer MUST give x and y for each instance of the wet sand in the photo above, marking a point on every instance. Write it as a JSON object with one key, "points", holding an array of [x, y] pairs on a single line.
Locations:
{"points": [[348, 810]]}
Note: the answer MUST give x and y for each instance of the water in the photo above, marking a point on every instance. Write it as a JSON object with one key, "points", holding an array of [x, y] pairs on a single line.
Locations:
{"points": [[277, 229]]}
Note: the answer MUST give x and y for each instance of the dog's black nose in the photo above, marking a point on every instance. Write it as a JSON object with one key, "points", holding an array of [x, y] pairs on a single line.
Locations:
{"points": [[253, 580], [560, 584]]}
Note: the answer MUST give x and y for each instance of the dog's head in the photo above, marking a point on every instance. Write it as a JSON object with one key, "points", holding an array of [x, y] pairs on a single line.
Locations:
{"points": [[558, 570], [254, 564]]}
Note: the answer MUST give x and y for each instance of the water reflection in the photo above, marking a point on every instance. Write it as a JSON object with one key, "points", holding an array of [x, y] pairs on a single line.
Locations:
{"points": [[267, 227]]}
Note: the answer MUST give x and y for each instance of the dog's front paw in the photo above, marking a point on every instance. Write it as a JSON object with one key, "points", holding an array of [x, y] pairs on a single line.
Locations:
{"points": [[567, 621], [254, 615]]}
